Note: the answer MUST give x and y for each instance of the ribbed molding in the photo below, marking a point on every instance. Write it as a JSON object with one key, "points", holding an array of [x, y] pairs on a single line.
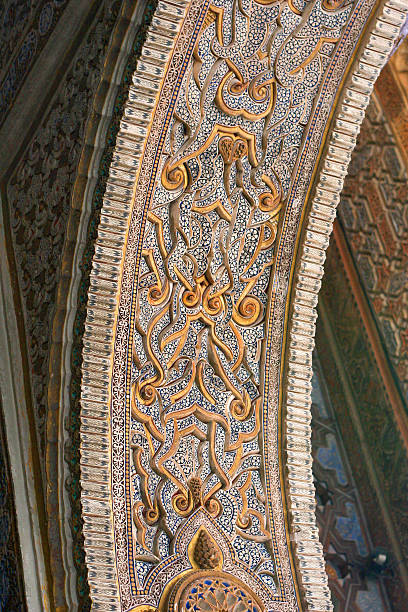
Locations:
{"points": [[306, 285], [96, 455]]}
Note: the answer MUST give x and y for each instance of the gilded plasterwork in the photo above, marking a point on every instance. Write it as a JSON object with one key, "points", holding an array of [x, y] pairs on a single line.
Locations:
{"points": [[208, 243], [225, 119]]}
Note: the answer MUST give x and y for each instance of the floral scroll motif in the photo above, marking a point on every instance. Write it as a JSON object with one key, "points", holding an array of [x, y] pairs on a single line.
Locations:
{"points": [[204, 274]]}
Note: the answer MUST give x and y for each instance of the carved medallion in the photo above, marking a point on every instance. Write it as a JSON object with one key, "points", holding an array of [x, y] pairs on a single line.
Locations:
{"points": [[215, 592]]}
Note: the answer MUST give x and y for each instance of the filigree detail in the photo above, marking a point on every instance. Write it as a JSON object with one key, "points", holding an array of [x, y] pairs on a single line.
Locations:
{"points": [[203, 279], [299, 54]]}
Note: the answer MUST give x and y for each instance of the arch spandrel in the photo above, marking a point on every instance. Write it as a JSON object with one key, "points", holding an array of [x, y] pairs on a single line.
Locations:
{"points": [[196, 464]]}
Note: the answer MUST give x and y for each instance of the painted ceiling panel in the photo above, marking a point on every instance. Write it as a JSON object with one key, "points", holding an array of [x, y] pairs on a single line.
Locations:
{"points": [[343, 528], [368, 430]]}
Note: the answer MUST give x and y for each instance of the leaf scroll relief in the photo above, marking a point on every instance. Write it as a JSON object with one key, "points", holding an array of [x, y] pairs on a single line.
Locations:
{"points": [[202, 293]]}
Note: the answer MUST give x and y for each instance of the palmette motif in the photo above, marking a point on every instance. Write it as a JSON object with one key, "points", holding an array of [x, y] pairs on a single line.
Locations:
{"points": [[202, 294]]}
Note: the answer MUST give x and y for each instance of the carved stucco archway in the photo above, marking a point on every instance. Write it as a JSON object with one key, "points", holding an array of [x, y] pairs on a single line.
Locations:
{"points": [[297, 71]]}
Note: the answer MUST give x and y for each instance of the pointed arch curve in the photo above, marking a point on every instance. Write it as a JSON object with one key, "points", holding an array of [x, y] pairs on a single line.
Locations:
{"points": [[120, 390]]}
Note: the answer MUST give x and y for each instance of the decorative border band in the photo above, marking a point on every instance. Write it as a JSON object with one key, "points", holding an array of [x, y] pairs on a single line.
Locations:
{"points": [[96, 425]]}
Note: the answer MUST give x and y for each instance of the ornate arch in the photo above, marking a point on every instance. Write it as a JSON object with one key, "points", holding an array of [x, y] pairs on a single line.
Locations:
{"points": [[220, 201]]}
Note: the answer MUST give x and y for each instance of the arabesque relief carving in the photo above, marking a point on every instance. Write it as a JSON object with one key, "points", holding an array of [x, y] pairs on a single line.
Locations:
{"points": [[208, 248], [208, 457]]}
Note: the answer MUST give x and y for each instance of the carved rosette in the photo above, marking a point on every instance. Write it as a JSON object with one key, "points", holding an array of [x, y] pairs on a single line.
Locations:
{"points": [[215, 592]]}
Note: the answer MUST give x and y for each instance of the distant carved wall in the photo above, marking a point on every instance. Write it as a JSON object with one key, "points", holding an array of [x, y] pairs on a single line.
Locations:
{"points": [[374, 213], [44, 211], [40, 196], [25, 26]]}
